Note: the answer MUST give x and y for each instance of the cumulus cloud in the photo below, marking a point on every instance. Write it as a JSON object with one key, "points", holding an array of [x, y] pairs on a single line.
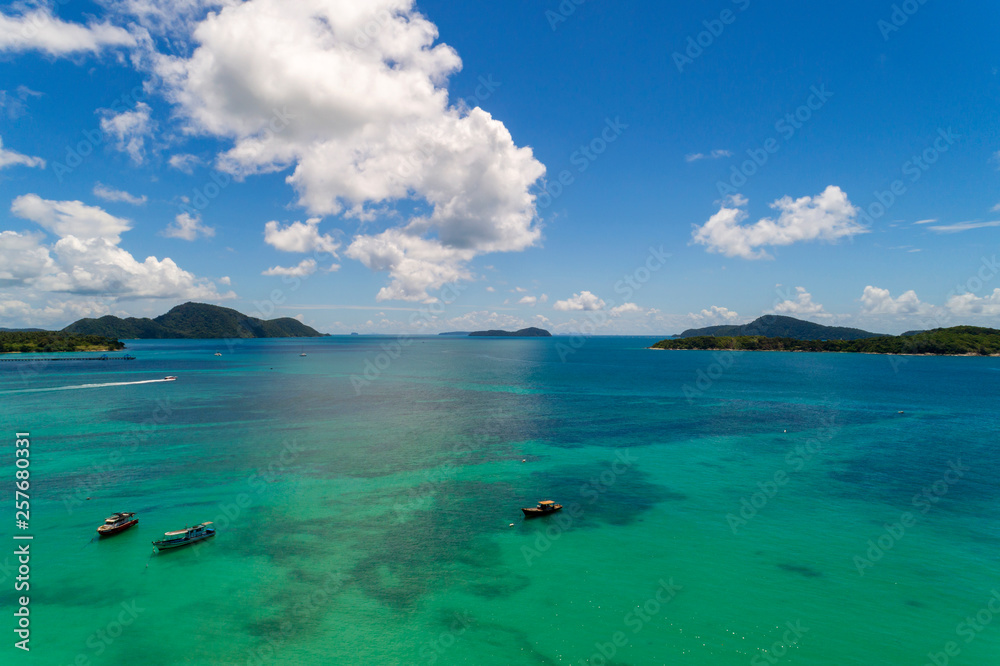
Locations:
{"points": [[130, 129], [802, 304], [111, 194], [878, 301], [70, 218], [86, 260], [828, 216], [300, 237], [714, 155], [585, 300], [188, 227], [532, 301], [304, 268], [12, 158], [39, 30], [354, 97], [715, 315], [184, 162], [625, 308], [969, 304]]}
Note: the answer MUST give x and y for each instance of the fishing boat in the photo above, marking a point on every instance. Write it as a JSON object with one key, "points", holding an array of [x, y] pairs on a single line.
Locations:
{"points": [[544, 508], [186, 536], [115, 523]]}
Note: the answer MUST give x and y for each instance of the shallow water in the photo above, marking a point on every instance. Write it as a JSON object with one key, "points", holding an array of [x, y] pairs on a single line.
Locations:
{"points": [[375, 520]]}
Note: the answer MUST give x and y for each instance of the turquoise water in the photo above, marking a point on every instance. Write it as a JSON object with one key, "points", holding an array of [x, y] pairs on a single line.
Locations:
{"points": [[376, 520]]}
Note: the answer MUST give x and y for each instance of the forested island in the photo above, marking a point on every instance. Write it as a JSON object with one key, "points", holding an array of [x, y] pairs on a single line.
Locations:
{"points": [[194, 320], [55, 341], [954, 341], [530, 332]]}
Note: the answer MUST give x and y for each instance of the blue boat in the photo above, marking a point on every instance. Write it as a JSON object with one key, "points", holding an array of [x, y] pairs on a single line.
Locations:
{"points": [[186, 536]]}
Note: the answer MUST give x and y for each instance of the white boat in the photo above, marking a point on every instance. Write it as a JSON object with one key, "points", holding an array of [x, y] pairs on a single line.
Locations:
{"points": [[170, 378], [302, 354], [218, 353], [186, 536]]}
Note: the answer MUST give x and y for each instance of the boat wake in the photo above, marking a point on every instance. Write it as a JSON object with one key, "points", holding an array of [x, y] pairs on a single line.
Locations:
{"points": [[85, 386]]}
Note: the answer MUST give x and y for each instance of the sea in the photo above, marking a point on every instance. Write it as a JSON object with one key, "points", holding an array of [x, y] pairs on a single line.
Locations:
{"points": [[718, 508]]}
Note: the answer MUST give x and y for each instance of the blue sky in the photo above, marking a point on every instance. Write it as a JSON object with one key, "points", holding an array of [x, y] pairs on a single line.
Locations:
{"points": [[392, 166]]}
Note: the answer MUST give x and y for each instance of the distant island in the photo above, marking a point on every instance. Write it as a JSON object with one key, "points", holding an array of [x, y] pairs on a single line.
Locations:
{"points": [[456, 333], [954, 341], [193, 320], [778, 326], [35, 341], [523, 333]]}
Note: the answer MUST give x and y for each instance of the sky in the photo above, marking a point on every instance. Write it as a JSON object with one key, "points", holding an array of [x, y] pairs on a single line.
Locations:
{"points": [[579, 165]]}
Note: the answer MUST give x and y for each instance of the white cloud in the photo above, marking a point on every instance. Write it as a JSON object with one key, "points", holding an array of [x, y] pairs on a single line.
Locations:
{"points": [[54, 313], [528, 300], [130, 129], [995, 209], [39, 30], [12, 158], [184, 162], [582, 301], [111, 194], [491, 289], [969, 304], [365, 121], [714, 155], [304, 268], [828, 216], [188, 227], [225, 280], [23, 257], [715, 315], [625, 308], [300, 237], [802, 305], [86, 260], [878, 301], [70, 218], [963, 226], [930, 221], [415, 265]]}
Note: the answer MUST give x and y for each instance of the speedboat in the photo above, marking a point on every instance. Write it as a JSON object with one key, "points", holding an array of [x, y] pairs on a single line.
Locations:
{"points": [[115, 523], [218, 353], [170, 378], [186, 536], [543, 509]]}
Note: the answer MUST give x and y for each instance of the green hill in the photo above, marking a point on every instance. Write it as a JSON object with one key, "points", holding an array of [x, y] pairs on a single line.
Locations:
{"points": [[957, 340], [523, 333], [194, 320], [778, 326]]}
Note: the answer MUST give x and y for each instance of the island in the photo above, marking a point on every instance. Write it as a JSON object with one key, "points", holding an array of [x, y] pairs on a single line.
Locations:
{"points": [[35, 341], [953, 341], [779, 326], [193, 320], [530, 332]]}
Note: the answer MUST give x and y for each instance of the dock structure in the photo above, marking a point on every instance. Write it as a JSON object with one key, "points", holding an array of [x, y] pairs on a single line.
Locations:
{"points": [[126, 357]]}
